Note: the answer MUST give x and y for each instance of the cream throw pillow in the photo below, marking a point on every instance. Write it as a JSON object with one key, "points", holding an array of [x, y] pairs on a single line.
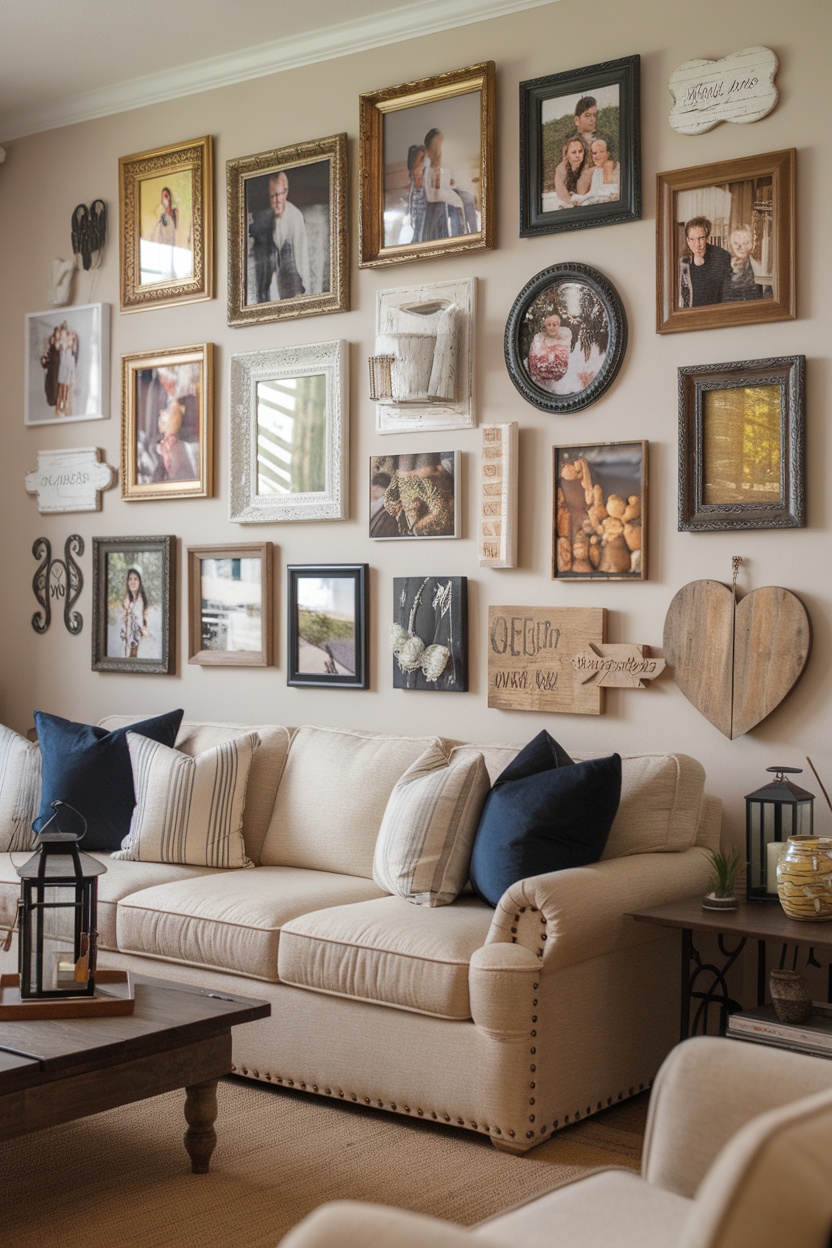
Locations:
{"points": [[424, 845], [189, 810], [19, 790]]}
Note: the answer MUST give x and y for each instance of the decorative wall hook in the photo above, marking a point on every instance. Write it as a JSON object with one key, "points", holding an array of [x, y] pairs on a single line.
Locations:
{"points": [[89, 230], [58, 579]]}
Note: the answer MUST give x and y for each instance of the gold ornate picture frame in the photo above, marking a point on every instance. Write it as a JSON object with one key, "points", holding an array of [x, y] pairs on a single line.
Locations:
{"points": [[166, 245]]}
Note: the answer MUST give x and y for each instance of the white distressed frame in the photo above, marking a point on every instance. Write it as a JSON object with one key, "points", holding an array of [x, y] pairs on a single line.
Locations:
{"points": [[89, 319], [246, 506]]}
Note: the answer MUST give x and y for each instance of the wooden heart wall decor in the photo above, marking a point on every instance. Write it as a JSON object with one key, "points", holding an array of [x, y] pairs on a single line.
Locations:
{"points": [[736, 658]]}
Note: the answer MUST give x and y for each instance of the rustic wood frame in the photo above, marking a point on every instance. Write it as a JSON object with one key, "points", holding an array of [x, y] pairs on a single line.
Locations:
{"points": [[594, 454], [197, 653]]}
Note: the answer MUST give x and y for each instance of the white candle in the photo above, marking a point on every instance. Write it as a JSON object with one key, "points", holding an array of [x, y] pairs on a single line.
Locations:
{"points": [[774, 849]]}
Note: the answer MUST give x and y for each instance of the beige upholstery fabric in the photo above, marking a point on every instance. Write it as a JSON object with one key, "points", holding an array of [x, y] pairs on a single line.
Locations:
{"points": [[19, 790], [332, 798], [353, 1224], [388, 951]]}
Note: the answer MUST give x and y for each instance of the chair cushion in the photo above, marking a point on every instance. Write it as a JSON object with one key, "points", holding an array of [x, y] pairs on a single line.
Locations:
{"points": [[19, 790], [423, 850]]}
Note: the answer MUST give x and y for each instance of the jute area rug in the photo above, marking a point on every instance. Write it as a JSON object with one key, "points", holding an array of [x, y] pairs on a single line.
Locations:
{"points": [[122, 1178]]}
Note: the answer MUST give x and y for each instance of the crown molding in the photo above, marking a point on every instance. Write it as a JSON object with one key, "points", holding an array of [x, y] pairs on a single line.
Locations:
{"points": [[342, 39]]}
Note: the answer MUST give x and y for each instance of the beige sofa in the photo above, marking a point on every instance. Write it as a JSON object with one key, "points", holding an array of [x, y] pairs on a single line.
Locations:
{"points": [[511, 1022]]}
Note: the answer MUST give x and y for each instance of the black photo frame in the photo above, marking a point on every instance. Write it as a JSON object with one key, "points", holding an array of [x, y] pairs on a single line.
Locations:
{"points": [[430, 633], [327, 625]]}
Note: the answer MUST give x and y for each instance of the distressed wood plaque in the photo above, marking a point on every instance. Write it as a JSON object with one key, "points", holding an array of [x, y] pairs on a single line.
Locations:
{"points": [[498, 502], [530, 652], [70, 480], [738, 88], [623, 666]]}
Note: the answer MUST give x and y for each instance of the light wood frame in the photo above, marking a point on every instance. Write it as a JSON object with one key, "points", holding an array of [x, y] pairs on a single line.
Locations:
{"points": [[214, 656], [599, 494], [107, 595]]}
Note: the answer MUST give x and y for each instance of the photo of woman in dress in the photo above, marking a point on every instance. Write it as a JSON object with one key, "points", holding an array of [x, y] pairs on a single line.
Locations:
{"points": [[567, 332], [134, 612], [134, 604], [573, 175]]}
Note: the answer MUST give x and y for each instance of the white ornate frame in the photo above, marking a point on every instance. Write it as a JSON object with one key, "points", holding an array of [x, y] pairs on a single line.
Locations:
{"points": [[246, 505]]}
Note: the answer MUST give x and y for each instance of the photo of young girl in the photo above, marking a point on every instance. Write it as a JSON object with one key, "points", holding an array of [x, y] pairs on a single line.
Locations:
{"points": [[134, 604]]}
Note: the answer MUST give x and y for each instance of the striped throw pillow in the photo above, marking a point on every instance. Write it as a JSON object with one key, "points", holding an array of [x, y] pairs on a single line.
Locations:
{"points": [[189, 810], [424, 844], [19, 790]]}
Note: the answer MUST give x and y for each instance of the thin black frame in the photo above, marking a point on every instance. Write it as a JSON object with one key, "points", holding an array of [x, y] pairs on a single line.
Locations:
{"points": [[610, 300], [789, 511], [359, 572], [101, 548], [625, 72]]}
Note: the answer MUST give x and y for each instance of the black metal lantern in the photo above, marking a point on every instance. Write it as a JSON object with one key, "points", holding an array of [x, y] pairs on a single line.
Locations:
{"points": [[773, 814], [57, 914]]}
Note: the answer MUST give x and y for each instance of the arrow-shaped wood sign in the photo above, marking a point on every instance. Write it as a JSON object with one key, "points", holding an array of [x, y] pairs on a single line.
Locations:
{"points": [[623, 666]]}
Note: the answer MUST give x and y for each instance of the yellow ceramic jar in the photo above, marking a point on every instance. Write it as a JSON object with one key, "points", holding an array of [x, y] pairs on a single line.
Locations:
{"points": [[804, 878]]}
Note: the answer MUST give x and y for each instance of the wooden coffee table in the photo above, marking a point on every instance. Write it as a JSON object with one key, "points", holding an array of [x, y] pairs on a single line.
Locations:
{"points": [[53, 1071]]}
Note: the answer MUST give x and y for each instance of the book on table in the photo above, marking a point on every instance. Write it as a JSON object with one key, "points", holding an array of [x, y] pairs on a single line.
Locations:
{"points": [[763, 1025]]}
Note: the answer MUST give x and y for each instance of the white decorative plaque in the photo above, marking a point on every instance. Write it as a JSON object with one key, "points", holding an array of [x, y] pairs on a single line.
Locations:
{"points": [[70, 480], [498, 501], [738, 88]]}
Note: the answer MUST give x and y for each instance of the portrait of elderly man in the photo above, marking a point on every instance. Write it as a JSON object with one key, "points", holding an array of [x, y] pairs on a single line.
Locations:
{"points": [[705, 269], [280, 249]]}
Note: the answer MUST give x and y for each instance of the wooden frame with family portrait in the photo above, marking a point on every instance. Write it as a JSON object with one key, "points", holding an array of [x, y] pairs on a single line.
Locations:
{"points": [[167, 225], [743, 212], [134, 605], [327, 625], [600, 512], [304, 188], [230, 620], [67, 364], [742, 432], [580, 148], [427, 160], [565, 338], [167, 419], [415, 496]]}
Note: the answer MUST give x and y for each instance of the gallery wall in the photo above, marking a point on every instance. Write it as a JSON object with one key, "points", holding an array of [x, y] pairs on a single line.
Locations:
{"points": [[46, 175]]}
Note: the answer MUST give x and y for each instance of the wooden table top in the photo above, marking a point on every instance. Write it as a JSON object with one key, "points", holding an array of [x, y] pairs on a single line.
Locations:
{"points": [[757, 920]]}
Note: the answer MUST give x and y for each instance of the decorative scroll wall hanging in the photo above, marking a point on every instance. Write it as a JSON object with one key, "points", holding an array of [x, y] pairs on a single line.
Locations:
{"points": [[59, 580]]}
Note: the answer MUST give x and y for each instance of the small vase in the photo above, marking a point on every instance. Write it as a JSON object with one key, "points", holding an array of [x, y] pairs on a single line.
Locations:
{"points": [[715, 901], [804, 878], [790, 996]]}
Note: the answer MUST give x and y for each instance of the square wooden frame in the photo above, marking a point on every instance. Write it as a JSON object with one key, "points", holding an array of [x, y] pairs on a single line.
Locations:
{"points": [[90, 323], [625, 74], [263, 552], [132, 368], [788, 373], [358, 573], [132, 548], [374, 107], [158, 165], [241, 174], [780, 167], [606, 469]]}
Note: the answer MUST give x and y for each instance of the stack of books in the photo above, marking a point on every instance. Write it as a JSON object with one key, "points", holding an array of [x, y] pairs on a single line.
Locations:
{"points": [[764, 1027]]}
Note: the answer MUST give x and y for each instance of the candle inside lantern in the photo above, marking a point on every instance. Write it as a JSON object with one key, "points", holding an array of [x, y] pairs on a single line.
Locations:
{"points": [[774, 850]]}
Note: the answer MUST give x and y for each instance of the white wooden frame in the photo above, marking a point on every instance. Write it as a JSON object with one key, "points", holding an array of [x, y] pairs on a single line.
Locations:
{"points": [[90, 323]]}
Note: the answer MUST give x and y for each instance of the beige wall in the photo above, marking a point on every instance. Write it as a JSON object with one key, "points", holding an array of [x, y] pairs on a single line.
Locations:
{"points": [[45, 176]]}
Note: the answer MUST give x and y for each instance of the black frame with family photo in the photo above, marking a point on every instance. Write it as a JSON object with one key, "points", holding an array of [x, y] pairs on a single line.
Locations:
{"points": [[554, 197], [340, 638], [127, 615], [591, 322]]}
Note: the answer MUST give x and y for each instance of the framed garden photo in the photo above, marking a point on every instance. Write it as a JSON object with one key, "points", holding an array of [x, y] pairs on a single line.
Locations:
{"points": [[288, 233], [742, 431], [725, 243], [430, 633], [327, 626], [289, 434], [580, 148], [68, 364], [167, 225], [230, 620], [565, 338], [415, 495], [167, 423], [600, 506], [426, 162], [134, 604]]}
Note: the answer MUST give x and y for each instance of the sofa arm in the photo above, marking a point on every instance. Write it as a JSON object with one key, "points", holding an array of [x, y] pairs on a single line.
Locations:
{"points": [[566, 917], [502, 982], [353, 1224]]}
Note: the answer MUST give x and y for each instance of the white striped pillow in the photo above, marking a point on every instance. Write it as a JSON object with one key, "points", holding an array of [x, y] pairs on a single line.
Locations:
{"points": [[189, 810], [423, 850], [19, 790]]}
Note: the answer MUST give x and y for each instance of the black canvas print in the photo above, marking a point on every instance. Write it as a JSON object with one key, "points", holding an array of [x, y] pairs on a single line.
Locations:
{"points": [[430, 633]]}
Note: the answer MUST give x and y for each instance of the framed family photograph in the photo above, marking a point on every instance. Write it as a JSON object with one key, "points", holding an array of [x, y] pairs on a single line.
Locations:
{"points": [[430, 633], [565, 338], [68, 365], [600, 506], [167, 225], [725, 243], [289, 434], [134, 604], [580, 148], [415, 495], [328, 638], [288, 232], [167, 415], [230, 620], [742, 432], [426, 161]]}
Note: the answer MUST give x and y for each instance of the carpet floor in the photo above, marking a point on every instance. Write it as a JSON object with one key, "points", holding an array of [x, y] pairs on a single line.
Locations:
{"points": [[122, 1180]]}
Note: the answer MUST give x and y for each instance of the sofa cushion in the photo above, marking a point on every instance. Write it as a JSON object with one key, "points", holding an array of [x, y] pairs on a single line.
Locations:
{"points": [[332, 798], [189, 810], [229, 921], [423, 850], [388, 952], [19, 789]]}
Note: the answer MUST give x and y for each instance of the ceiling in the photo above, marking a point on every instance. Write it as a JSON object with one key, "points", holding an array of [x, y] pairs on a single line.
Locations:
{"points": [[64, 61]]}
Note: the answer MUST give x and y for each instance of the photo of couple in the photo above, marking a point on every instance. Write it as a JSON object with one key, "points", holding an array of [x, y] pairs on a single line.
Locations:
{"points": [[580, 149], [66, 358]]}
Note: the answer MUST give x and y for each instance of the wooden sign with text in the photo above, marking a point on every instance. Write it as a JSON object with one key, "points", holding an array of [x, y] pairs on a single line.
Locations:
{"points": [[70, 480], [530, 652], [498, 504], [738, 88], [624, 666]]}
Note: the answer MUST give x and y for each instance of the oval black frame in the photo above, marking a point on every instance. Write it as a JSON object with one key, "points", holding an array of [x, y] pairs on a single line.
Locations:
{"points": [[610, 299]]}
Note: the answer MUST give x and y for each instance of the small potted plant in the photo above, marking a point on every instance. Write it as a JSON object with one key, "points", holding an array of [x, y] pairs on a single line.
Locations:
{"points": [[721, 885]]}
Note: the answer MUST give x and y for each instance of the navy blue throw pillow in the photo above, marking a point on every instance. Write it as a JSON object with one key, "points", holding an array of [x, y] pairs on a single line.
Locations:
{"points": [[544, 813], [89, 768]]}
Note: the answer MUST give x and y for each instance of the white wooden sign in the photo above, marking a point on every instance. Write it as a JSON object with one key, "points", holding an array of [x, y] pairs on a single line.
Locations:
{"points": [[498, 502], [737, 88], [623, 666], [70, 480]]}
